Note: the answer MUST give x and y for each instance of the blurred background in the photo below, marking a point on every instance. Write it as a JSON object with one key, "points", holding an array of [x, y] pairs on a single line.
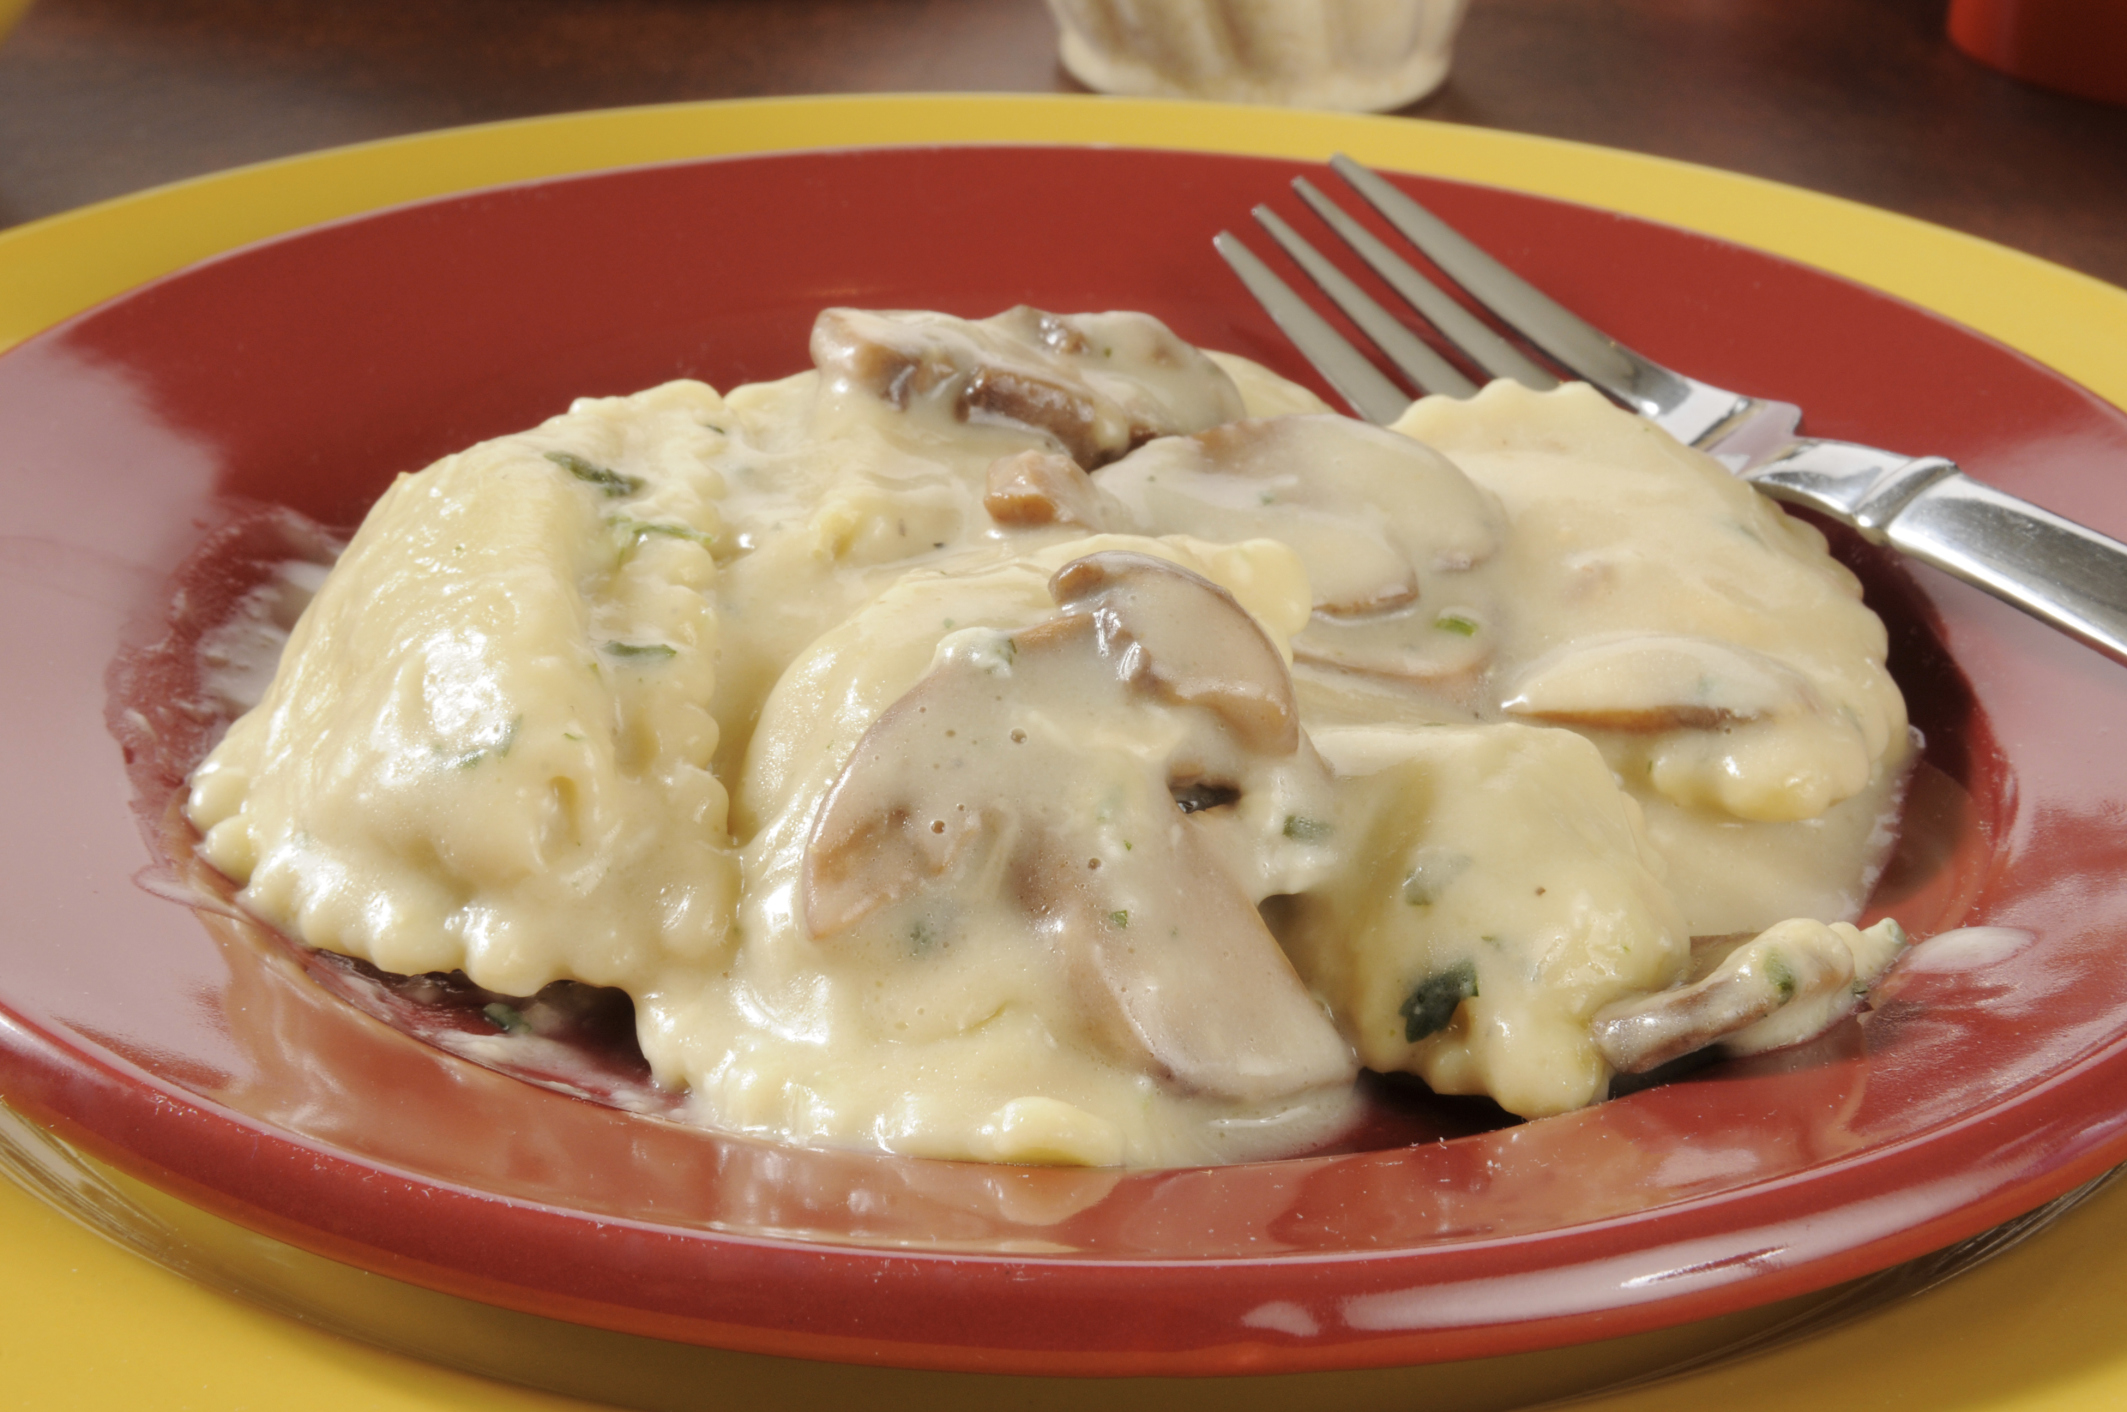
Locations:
{"points": [[1867, 99]]}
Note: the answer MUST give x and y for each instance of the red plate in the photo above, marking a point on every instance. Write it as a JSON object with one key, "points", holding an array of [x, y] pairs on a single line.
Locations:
{"points": [[189, 1049]]}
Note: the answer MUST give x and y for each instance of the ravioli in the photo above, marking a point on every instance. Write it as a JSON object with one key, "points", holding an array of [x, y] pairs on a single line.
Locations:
{"points": [[1036, 740]]}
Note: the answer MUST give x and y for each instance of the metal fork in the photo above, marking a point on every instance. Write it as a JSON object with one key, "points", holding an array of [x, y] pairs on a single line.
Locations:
{"points": [[2054, 569]]}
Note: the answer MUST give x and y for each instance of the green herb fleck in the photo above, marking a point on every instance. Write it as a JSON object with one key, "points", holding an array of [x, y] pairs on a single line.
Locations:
{"points": [[639, 528], [1119, 920], [641, 649], [613, 483], [1268, 497], [1433, 871], [1781, 975], [920, 935], [506, 1018], [1302, 829], [1431, 1005], [570, 735], [1460, 624]]}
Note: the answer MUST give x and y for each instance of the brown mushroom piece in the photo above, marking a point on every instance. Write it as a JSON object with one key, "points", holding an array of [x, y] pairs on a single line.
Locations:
{"points": [[1089, 385], [1785, 985], [1185, 639], [1035, 488], [1370, 513], [1649, 684], [1149, 681], [1445, 652], [1707, 724], [1386, 527]]}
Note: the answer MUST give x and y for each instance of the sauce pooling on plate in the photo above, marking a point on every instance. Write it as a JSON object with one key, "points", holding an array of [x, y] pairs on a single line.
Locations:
{"points": [[1037, 740]]}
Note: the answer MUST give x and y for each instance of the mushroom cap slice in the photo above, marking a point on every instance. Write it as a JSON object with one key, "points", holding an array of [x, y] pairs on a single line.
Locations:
{"points": [[1788, 984], [1090, 385], [1186, 639], [1036, 488], [1444, 651], [1371, 514], [1653, 683], [1193, 987], [874, 842], [1055, 750], [1720, 725]]}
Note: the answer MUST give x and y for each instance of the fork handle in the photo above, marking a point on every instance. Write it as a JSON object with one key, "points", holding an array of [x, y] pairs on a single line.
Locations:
{"points": [[2058, 571]]}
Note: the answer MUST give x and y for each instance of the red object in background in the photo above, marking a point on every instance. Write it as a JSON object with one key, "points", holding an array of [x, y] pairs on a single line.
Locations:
{"points": [[2076, 46]]}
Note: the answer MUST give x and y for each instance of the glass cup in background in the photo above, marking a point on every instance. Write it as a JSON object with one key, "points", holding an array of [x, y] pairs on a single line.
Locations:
{"points": [[1355, 55]]}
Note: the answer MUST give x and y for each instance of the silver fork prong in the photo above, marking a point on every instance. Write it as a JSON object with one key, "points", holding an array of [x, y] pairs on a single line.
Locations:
{"points": [[1365, 386], [1425, 368], [2054, 569], [1411, 356], [1646, 386], [1478, 342]]}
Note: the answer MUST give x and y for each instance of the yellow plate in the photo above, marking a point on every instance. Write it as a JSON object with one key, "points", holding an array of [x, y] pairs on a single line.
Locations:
{"points": [[83, 1324]]}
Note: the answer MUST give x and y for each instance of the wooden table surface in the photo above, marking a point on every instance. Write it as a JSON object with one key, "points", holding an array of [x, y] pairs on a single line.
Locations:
{"points": [[1860, 98]]}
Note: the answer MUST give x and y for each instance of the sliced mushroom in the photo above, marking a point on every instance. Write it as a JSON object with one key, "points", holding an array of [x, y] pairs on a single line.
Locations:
{"points": [[1445, 652], [1706, 724], [1066, 412], [890, 360], [1788, 984], [1150, 679], [1058, 335], [1652, 684], [1370, 513], [1384, 597], [1185, 638], [1092, 385], [1035, 488], [1213, 1005], [872, 846]]}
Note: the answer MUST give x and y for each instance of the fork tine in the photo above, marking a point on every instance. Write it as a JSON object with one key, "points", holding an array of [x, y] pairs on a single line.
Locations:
{"points": [[1460, 327], [1580, 346], [1371, 394], [1424, 367]]}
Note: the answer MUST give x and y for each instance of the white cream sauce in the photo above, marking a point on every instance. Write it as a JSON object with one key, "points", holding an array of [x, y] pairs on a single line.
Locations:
{"points": [[995, 745]]}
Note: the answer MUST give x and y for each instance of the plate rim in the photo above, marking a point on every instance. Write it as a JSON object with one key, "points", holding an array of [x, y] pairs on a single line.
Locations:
{"points": [[71, 261], [2067, 1176]]}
